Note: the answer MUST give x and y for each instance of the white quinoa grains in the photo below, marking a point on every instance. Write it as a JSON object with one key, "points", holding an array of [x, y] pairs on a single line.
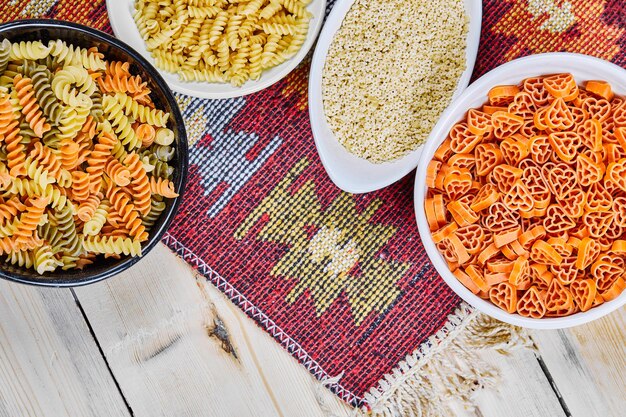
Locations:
{"points": [[390, 71]]}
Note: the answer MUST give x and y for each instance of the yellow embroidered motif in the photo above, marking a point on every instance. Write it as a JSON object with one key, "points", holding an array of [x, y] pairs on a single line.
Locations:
{"points": [[560, 17], [330, 250]]}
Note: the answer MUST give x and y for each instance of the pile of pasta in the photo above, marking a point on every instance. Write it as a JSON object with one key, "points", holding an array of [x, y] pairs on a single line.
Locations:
{"points": [[222, 40], [527, 197], [83, 157]]}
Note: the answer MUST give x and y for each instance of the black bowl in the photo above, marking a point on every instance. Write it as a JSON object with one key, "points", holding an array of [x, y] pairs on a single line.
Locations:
{"points": [[113, 49]]}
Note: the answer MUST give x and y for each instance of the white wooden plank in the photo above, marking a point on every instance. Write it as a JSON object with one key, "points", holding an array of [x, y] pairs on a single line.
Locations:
{"points": [[178, 347], [588, 365], [522, 389], [49, 363]]}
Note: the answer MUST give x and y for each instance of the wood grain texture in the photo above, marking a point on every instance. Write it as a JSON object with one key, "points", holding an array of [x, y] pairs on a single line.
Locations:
{"points": [[588, 365], [49, 363], [522, 389], [178, 347]]}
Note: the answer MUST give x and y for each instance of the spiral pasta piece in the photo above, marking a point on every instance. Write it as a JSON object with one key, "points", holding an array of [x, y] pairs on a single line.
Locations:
{"points": [[139, 183], [28, 221], [20, 258], [73, 85], [75, 55], [162, 187], [156, 208], [144, 114], [70, 243], [44, 260], [117, 172], [128, 212], [5, 52], [10, 209], [120, 123], [87, 208], [111, 244], [28, 50], [41, 76], [93, 226], [16, 151]]}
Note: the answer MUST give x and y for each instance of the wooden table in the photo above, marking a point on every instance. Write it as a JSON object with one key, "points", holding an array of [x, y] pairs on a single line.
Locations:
{"points": [[159, 340]]}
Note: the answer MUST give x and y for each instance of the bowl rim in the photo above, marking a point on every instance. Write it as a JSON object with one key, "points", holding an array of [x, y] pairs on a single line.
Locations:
{"points": [[478, 89], [326, 142], [251, 86], [179, 126]]}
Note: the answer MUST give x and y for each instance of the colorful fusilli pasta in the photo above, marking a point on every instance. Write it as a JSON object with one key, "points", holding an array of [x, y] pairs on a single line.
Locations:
{"points": [[84, 154]]}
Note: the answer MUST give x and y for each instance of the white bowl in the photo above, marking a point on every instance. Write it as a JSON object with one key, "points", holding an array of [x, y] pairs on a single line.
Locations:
{"points": [[124, 27], [348, 171], [583, 68]]}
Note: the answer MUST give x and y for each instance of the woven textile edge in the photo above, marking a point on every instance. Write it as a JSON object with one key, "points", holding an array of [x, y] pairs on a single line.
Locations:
{"points": [[386, 387]]}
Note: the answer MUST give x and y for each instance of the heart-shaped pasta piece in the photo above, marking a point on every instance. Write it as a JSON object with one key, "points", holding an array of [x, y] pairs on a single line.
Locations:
{"points": [[558, 116], [463, 161], [534, 86], [506, 124], [566, 272], [590, 132], [579, 115], [600, 88], [565, 144], [478, 122], [616, 172], [613, 152], [504, 295], [502, 95], [485, 197], [588, 251], [513, 151], [598, 222], [472, 237], [605, 273], [619, 211], [588, 171], [584, 293], [444, 232], [499, 217], [457, 182], [488, 156], [558, 297], [560, 85], [540, 149], [556, 221], [531, 304], [519, 198], [523, 105], [444, 151], [504, 176], [573, 204], [619, 113], [520, 274], [614, 290], [542, 252], [476, 275], [462, 140], [598, 108], [561, 179]]}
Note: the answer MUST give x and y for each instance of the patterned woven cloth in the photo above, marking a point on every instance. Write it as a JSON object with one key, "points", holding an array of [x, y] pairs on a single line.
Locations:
{"points": [[341, 281]]}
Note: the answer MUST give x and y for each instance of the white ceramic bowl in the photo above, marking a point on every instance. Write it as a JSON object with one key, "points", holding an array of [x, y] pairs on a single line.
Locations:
{"points": [[348, 171], [123, 25], [583, 68]]}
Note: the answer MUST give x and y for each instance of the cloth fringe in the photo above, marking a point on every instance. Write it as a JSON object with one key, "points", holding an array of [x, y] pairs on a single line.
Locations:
{"points": [[446, 369]]}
